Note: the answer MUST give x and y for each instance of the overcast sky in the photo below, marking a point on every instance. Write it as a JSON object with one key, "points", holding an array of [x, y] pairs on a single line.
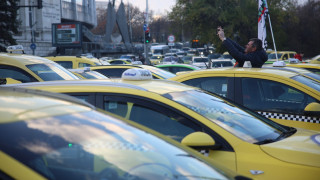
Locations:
{"points": [[158, 6]]}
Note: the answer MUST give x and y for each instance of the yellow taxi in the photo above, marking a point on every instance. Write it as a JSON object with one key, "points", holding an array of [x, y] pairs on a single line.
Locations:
{"points": [[309, 66], [315, 60], [311, 72], [283, 96], [86, 73], [237, 138], [156, 59], [74, 62], [282, 56], [119, 61], [27, 68], [51, 136], [115, 71]]}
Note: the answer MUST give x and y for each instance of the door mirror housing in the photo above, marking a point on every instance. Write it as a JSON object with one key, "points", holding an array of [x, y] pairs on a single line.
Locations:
{"points": [[199, 140], [312, 109]]}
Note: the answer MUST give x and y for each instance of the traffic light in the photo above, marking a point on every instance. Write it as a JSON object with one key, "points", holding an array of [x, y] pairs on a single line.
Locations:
{"points": [[39, 4], [147, 36]]}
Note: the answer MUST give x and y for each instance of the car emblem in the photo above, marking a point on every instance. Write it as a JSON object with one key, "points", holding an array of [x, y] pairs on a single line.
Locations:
{"points": [[256, 172]]}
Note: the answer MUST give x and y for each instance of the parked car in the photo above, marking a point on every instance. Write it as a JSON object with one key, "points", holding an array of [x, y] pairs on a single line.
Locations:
{"points": [[287, 97], [53, 136], [27, 68], [229, 134]]}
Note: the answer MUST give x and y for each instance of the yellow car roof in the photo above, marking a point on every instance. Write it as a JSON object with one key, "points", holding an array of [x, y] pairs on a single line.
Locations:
{"points": [[231, 70], [305, 65], [23, 104], [21, 59], [72, 58], [157, 86]]}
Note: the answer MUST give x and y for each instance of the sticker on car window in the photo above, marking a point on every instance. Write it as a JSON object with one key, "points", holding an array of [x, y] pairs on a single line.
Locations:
{"points": [[113, 105], [316, 138]]}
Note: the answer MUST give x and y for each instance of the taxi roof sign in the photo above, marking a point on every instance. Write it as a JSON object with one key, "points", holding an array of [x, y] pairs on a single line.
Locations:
{"points": [[279, 64], [293, 61], [136, 74], [15, 48]]}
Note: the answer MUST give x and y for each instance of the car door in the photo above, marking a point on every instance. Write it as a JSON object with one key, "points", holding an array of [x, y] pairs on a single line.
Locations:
{"points": [[222, 85], [7, 71], [165, 120], [281, 102]]}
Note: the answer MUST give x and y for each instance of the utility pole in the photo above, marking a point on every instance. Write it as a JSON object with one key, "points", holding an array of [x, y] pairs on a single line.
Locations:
{"points": [[147, 61], [39, 6], [31, 27]]}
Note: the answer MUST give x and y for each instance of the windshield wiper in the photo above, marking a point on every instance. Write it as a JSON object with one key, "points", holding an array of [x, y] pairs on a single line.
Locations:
{"points": [[281, 136], [266, 141]]}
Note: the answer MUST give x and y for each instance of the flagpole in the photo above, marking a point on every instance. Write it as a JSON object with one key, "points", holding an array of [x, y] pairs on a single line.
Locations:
{"points": [[274, 44]]}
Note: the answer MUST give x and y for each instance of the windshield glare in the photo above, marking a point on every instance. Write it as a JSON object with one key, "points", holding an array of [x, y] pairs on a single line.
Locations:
{"points": [[51, 72], [160, 72], [240, 123], [57, 148]]}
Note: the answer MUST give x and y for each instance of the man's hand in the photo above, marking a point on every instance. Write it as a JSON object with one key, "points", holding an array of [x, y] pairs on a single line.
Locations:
{"points": [[221, 33]]}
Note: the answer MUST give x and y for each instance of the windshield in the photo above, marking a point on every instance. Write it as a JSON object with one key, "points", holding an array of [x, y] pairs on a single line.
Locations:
{"points": [[308, 82], [57, 148], [51, 72], [200, 60], [157, 51], [246, 126], [160, 72], [273, 56], [155, 57], [93, 75]]}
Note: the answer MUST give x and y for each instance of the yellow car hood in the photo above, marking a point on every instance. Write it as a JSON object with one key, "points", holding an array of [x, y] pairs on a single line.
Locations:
{"points": [[301, 148]]}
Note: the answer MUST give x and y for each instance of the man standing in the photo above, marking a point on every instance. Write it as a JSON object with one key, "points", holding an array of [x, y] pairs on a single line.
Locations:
{"points": [[252, 52]]}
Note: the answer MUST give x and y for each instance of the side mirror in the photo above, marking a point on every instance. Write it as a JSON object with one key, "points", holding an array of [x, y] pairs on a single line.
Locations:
{"points": [[312, 109], [9, 81], [198, 140]]}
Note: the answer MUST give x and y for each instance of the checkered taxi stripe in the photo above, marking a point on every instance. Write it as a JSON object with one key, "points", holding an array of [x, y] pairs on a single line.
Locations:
{"points": [[290, 117], [116, 145]]}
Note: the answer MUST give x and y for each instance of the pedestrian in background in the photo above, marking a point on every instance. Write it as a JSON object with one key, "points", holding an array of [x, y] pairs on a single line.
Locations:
{"points": [[252, 52], [299, 56]]}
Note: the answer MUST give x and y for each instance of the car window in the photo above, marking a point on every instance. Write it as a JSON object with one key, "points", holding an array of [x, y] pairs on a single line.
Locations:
{"points": [[112, 72], [65, 64], [51, 72], [308, 82], [151, 115], [291, 55], [84, 65], [242, 123], [271, 96], [89, 146], [216, 85], [316, 71], [16, 73]]}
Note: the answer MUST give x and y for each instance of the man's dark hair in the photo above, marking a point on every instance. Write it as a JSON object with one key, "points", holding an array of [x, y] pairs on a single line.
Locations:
{"points": [[256, 43]]}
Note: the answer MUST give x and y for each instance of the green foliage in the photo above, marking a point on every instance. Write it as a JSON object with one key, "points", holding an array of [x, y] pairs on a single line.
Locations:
{"points": [[239, 20], [9, 23]]}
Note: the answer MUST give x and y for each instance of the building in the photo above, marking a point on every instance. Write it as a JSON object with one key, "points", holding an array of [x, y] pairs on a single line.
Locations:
{"points": [[35, 31]]}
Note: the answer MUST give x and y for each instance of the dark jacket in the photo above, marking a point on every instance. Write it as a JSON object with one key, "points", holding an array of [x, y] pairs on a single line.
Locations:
{"points": [[257, 58]]}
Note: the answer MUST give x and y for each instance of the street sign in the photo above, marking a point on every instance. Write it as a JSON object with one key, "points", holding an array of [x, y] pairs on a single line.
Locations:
{"points": [[33, 46], [171, 38], [170, 44], [145, 27]]}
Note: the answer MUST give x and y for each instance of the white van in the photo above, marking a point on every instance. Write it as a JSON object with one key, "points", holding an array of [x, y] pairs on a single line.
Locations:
{"points": [[159, 49]]}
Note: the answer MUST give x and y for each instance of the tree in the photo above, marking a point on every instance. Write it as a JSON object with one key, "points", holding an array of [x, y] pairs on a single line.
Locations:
{"points": [[238, 18], [9, 23]]}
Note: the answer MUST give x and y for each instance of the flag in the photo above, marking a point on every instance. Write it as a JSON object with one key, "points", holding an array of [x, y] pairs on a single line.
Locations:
{"points": [[262, 33]]}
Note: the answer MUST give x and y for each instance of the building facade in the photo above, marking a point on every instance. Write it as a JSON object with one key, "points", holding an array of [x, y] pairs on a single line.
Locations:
{"points": [[35, 31]]}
